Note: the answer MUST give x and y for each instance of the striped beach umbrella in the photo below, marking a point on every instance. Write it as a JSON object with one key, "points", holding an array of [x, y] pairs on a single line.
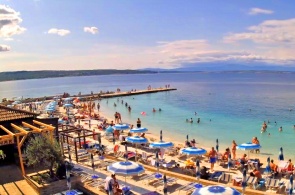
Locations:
{"points": [[138, 130], [68, 105], [291, 184], [136, 140], [110, 129], [92, 162], [248, 146], [165, 189], [193, 151], [68, 176], [125, 168], [217, 145], [281, 155], [121, 126], [244, 183], [198, 173], [213, 190], [161, 143]]}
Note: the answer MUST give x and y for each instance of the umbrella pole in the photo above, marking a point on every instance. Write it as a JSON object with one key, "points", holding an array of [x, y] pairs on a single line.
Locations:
{"points": [[136, 153]]}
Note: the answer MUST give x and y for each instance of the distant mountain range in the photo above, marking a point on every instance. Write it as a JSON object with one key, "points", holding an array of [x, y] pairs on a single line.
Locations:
{"points": [[226, 67], [23, 75]]}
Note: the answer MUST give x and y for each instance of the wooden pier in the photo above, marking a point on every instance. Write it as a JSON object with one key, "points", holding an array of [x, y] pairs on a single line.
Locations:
{"points": [[128, 93]]}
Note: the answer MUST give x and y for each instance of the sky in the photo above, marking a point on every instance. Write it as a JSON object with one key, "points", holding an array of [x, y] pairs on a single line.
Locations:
{"points": [[137, 34]]}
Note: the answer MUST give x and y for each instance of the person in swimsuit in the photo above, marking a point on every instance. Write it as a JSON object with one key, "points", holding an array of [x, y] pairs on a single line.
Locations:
{"points": [[138, 123], [234, 148], [212, 158]]}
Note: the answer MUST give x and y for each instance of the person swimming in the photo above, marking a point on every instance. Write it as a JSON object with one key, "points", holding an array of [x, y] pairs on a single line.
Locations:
{"points": [[280, 129], [154, 110], [160, 109], [191, 120]]}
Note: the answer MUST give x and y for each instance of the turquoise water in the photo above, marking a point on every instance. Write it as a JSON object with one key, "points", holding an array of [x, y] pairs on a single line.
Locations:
{"points": [[236, 103]]}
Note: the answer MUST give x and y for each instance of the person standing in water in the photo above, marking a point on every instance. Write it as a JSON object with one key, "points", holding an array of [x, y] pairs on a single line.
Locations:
{"points": [[138, 123]]}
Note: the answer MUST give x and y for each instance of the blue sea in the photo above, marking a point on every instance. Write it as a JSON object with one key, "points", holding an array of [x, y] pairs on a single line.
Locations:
{"points": [[230, 105]]}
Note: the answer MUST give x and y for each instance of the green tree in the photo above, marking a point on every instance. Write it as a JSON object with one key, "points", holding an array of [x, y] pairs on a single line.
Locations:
{"points": [[43, 150]]}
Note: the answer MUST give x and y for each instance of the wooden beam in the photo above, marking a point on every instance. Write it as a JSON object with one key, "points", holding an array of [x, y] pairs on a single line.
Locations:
{"points": [[43, 124], [6, 130], [32, 127], [23, 140], [20, 156], [19, 128]]}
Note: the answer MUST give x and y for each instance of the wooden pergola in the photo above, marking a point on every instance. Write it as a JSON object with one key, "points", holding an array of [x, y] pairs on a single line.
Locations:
{"points": [[23, 134], [66, 135], [18, 124]]}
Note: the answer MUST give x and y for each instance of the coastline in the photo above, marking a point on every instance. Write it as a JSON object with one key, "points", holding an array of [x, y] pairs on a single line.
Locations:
{"points": [[150, 134]]}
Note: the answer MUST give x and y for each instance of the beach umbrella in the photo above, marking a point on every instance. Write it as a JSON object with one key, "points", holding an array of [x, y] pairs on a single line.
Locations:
{"points": [[125, 168], [229, 161], [68, 99], [213, 190], [92, 162], [281, 155], [248, 146], [68, 105], [198, 173], [161, 143], [165, 189], [138, 130], [136, 140], [291, 184], [109, 129], [217, 145], [68, 176], [193, 151], [121, 126], [244, 182]]}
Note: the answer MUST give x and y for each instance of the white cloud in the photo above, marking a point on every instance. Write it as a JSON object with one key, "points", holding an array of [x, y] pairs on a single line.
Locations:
{"points": [[4, 48], [60, 32], [255, 11], [268, 32], [9, 22], [92, 30]]}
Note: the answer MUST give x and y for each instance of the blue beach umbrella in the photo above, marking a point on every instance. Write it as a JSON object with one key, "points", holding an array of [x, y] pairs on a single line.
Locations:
{"points": [[244, 182], [213, 190], [136, 140], [165, 189], [68, 99], [121, 126], [248, 146], [161, 143], [193, 151], [217, 145], [198, 173], [125, 168], [109, 129], [68, 176], [281, 155], [68, 105], [138, 130], [291, 184]]}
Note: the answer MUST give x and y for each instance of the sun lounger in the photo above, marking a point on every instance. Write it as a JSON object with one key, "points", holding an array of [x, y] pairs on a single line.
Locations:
{"points": [[225, 178], [187, 188], [170, 180], [215, 176], [169, 164], [272, 183], [251, 182]]}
